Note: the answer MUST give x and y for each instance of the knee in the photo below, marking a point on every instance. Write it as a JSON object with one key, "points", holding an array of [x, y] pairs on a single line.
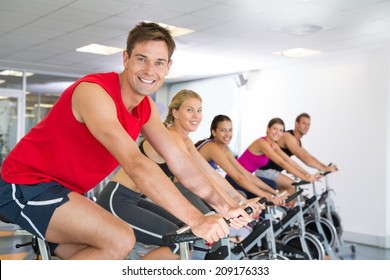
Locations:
{"points": [[123, 243]]}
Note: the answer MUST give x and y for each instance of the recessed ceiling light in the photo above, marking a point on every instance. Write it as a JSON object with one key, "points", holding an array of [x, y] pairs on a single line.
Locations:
{"points": [[15, 73], [177, 31], [299, 29], [297, 52], [2, 81], [99, 49]]}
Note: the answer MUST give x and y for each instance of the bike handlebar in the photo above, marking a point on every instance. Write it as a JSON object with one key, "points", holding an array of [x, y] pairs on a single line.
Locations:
{"points": [[184, 234], [327, 172], [288, 199], [293, 196], [300, 183]]}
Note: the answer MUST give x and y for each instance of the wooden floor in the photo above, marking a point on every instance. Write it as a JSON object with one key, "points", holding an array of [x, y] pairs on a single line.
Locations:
{"points": [[8, 251]]}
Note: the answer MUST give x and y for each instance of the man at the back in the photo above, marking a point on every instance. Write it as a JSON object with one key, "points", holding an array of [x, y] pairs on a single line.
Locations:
{"points": [[290, 142]]}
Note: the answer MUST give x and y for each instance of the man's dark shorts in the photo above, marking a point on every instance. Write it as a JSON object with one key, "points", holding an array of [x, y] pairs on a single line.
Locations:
{"points": [[31, 206]]}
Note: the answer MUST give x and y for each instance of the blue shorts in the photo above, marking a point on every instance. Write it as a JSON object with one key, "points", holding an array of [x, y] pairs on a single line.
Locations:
{"points": [[31, 206]]}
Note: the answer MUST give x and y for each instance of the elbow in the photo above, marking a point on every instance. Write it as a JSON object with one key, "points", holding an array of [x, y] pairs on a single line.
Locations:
{"points": [[238, 178]]}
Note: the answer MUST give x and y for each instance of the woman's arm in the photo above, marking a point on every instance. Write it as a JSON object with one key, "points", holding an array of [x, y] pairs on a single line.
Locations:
{"points": [[211, 151], [173, 150], [254, 179], [282, 159], [221, 181]]}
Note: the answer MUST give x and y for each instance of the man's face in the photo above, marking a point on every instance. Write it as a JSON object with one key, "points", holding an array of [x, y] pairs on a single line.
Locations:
{"points": [[147, 66], [303, 125]]}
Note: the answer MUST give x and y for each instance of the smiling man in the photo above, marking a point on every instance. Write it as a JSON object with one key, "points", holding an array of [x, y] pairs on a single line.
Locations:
{"points": [[291, 144], [88, 133]]}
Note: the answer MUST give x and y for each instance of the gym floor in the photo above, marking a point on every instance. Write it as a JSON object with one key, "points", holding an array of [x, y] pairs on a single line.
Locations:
{"points": [[8, 251]]}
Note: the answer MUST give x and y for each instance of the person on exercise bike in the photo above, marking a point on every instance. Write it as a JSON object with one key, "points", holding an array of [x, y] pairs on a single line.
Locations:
{"points": [[216, 152], [149, 220], [88, 133], [266, 148], [290, 143]]}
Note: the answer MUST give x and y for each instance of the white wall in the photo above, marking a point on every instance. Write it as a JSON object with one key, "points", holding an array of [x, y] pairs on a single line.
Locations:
{"points": [[348, 100]]}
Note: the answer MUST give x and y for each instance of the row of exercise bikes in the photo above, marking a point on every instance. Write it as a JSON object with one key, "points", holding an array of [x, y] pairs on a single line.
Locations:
{"points": [[311, 230]]}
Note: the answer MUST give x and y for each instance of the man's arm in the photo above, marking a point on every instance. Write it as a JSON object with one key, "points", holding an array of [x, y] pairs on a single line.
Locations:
{"points": [[293, 145], [95, 108]]}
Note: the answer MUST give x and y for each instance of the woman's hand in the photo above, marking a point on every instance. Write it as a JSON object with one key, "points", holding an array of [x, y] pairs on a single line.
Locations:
{"points": [[279, 200], [255, 205]]}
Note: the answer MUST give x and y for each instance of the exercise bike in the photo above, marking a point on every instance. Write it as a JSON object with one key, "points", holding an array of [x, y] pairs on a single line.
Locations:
{"points": [[291, 232], [223, 249], [258, 245], [316, 224], [328, 211]]}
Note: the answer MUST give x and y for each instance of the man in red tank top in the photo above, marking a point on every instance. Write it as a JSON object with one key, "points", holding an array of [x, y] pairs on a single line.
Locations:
{"points": [[88, 133]]}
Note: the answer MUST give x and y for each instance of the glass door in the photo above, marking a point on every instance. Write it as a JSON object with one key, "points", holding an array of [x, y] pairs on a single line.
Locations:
{"points": [[12, 119]]}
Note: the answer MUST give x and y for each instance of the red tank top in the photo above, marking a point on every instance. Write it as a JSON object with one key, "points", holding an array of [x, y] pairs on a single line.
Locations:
{"points": [[61, 149]]}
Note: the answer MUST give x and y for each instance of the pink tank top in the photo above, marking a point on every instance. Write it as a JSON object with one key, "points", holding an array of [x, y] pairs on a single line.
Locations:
{"points": [[252, 162], [61, 149]]}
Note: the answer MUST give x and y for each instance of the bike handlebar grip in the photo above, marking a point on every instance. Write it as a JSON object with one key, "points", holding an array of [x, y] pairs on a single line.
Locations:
{"points": [[174, 237], [293, 196], [326, 173], [302, 182], [249, 210], [262, 200]]}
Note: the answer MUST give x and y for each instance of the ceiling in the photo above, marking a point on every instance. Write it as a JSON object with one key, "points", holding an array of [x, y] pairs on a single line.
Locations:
{"points": [[231, 35]]}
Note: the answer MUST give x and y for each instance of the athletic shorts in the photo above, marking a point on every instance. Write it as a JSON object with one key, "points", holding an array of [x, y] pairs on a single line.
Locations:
{"points": [[149, 221], [270, 174], [31, 206]]}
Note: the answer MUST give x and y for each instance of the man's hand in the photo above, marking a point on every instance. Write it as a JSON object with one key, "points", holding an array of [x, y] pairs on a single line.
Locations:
{"points": [[211, 228], [332, 168]]}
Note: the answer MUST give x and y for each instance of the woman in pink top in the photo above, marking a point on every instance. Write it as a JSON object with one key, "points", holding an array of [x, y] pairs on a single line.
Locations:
{"points": [[266, 148]]}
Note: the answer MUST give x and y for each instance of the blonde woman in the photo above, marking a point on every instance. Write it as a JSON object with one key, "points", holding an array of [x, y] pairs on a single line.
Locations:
{"points": [[150, 221]]}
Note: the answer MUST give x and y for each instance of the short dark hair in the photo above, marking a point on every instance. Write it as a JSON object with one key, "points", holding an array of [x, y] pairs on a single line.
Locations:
{"points": [[150, 31], [303, 115]]}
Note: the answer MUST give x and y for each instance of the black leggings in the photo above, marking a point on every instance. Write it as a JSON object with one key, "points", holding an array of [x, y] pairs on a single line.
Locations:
{"points": [[193, 198], [248, 194], [148, 220]]}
